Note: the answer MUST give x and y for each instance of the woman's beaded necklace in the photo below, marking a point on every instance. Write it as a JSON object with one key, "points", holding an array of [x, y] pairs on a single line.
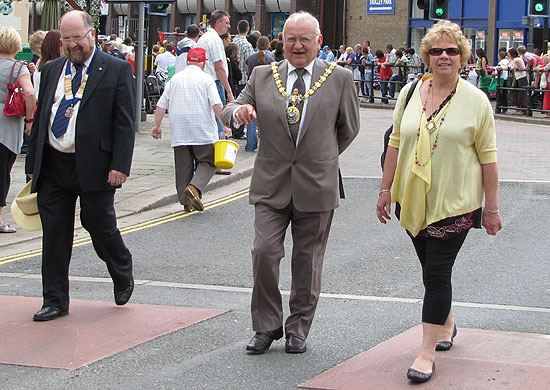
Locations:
{"points": [[431, 124]]}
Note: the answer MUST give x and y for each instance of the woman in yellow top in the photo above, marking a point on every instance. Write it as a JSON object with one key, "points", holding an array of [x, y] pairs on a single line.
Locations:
{"points": [[440, 162]]}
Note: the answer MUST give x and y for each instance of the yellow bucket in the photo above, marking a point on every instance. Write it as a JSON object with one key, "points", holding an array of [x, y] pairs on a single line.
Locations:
{"points": [[225, 153]]}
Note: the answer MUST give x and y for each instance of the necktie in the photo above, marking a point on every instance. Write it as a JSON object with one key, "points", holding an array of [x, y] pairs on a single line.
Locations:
{"points": [[301, 87], [61, 121]]}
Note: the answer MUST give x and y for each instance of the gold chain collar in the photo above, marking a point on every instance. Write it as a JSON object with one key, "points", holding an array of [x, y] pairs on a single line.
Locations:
{"points": [[296, 98]]}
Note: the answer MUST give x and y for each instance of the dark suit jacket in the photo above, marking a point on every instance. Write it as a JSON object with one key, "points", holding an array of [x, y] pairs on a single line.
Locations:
{"points": [[105, 126], [307, 174]]}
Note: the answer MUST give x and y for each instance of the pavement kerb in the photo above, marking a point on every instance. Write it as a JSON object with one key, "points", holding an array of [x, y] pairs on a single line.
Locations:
{"points": [[172, 197]]}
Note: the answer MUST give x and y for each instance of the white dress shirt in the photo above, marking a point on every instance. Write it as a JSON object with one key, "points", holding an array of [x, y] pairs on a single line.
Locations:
{"points": [[290, 79], [65, 143]]}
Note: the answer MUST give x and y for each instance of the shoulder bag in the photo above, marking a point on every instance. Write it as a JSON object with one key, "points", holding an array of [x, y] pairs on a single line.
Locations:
{"points": [[15, 100], [390, 129]]}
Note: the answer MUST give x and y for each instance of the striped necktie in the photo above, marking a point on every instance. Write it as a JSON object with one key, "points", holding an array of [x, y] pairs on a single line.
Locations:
{"points": [[61, 121]]}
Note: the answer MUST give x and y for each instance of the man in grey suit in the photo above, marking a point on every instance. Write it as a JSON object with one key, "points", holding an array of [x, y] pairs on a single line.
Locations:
{"points": [[308, 114], [81, 146]]}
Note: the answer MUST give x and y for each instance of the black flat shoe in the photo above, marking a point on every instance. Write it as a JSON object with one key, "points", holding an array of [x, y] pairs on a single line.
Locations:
{"points": [[122, 295], [261, 341], [420, 377], [446, 345], [49, 313], [295, 344]]}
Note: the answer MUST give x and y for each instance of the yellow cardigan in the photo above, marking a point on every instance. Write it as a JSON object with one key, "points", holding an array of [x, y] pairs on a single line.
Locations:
{"points": [[451, 182]]}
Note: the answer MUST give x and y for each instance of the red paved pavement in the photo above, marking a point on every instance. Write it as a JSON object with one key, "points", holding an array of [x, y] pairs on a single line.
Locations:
{"points": [[480, 359], [92, 331]]}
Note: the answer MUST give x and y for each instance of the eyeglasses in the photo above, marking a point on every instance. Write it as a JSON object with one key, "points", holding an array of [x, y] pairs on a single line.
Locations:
{"points": [[451, 51], [75, 39], [304, 40]]}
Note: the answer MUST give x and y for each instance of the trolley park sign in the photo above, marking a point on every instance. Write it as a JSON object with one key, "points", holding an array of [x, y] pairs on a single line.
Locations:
{"points": [[381, 6]]}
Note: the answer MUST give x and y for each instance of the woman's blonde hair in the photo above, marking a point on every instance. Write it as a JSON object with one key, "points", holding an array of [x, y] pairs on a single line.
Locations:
{"points": [[349, 50], [448, 30], [35, 41], [10, 40]]}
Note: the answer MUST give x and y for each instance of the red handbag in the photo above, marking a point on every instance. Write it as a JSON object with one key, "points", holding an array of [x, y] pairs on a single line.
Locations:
{"points": [[15, 100]]}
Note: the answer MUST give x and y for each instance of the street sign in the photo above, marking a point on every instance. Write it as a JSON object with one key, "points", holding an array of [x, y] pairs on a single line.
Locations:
{"points": [[377, 7]]}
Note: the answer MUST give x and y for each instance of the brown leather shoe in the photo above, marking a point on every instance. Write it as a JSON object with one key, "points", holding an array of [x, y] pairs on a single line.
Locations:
{"points": [[262, 341], [295, 344], [194, 197]]}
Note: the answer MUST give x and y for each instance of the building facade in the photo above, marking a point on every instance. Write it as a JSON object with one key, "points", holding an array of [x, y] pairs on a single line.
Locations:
{"points": [[489, 24]]}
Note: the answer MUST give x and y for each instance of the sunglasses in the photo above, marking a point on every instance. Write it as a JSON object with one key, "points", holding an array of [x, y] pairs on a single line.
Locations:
{"points": [[451, 51]]}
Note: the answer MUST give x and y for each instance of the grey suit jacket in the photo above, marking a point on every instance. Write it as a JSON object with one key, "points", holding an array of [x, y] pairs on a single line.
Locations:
{"points": [[308, 174], [105, 125]]}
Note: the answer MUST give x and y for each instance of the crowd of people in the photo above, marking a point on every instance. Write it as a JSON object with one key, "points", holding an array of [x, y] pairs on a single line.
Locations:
{"points": [[304, 105], [376, 69], [391, 69]]}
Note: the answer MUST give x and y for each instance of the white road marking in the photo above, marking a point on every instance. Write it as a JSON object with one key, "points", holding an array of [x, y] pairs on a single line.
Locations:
{"points": [[247, 290]]}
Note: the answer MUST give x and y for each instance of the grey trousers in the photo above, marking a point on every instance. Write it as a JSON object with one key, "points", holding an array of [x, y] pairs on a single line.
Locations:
{"points": [[194, 165], [309, 235]]}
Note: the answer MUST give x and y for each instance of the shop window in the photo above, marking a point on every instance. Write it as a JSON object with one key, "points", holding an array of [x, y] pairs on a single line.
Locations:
{"points": [[477, 37], [277, 24]]}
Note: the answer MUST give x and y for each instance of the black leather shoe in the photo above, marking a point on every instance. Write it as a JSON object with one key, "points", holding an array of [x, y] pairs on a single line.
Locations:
{"points": [[420, 377], [49, 313], [295, 344], [262, 341], [446, 345], [122, 295]]}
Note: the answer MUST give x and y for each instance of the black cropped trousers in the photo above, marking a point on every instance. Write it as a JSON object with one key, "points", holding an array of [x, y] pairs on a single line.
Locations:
{"points": [[437, 257]]}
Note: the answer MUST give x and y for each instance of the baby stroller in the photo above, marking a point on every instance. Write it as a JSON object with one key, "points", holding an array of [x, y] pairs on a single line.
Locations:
{"points": [[153, 89]]}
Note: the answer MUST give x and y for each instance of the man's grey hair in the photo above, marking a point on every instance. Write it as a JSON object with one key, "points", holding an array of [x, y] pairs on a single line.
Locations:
{"points": [[297, 16], [86, 18]]}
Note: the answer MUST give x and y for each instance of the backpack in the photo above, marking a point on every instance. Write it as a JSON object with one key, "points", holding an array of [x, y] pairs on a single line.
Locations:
{"points": [[390, 129]]}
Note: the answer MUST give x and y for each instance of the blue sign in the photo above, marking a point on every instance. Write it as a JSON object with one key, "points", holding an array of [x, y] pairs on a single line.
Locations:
{"points": [[380, 6]]}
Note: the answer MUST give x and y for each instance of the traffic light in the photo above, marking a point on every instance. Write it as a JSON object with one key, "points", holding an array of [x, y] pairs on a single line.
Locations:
{"points": [[424, 5], [439, 9], [160, 9], [539, 7]]}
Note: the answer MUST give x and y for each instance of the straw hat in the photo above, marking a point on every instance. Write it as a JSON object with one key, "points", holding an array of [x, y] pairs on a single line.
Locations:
{"points": [[24, 209]]}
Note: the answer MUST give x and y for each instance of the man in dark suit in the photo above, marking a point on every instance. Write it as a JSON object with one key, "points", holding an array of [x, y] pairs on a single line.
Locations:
{"points": [[308, 114], [81, 146]]}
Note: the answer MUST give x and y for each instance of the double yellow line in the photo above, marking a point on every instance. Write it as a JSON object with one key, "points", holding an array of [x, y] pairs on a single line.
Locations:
{"points": [[136, 227]]}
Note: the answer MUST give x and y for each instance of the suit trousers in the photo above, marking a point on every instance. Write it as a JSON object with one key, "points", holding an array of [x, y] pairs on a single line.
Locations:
{"points": [[309, 240], [58, 189], [195, 166]]}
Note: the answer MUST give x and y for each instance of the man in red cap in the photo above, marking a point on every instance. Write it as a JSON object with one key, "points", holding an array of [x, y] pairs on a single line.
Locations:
{"points": [[191, 98]]}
